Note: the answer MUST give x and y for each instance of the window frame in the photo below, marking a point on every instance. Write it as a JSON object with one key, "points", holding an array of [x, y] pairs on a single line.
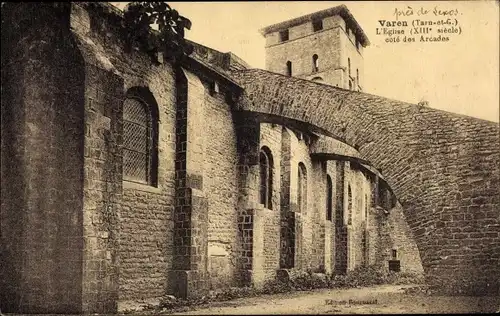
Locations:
{"points": [[266, 184], [151, 111]]}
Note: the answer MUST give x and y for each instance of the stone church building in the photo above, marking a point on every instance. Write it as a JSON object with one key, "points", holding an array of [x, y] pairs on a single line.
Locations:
{"points": [[125, 178]]}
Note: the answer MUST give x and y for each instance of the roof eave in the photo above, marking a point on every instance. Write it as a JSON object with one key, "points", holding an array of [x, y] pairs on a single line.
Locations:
{"points": [[341, 10]]}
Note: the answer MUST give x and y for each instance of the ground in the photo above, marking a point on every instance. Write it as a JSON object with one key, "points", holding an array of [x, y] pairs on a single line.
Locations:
{"points": [[384, 299]]}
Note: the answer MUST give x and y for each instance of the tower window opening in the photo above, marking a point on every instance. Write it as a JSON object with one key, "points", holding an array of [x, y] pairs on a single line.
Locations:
{"points": [[349, 65], [315, 63], [288, 68], [284, 36], [317, 25]]}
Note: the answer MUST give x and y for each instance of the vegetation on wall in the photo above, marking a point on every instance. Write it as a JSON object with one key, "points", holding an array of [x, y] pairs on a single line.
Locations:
{"points": [[139, 17]]}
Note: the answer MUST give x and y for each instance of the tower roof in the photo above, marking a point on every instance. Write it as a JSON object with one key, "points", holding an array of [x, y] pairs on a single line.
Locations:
{"points": [[338, 10]]}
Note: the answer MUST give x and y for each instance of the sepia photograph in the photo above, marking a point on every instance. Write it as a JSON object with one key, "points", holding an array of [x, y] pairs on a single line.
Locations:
{"points": [[250, 158]]}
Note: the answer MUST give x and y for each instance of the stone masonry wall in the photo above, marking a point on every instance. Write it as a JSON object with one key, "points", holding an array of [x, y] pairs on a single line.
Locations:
{"points": [[248, 144], [395, 234], [221, 189], [303, 219], [86, 240], [357, 181], [146, 216], [326, 44], [442, 167], [318, 216], [332, 45], [189, 275], [287, 218], [349, 51], [102, 189], [270, 136], [42, 137]]}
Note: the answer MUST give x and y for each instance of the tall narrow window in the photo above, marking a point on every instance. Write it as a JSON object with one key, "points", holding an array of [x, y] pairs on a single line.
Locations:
{"points": [[394, 254], [329, 198], [284, 36], [266, 177], [139, 142], [288, 68], [302, 188], [367, 202], [317, 25], [349, 205], [349, 65], [315, 63], [357, 76], [364, 245], [350, 85]]}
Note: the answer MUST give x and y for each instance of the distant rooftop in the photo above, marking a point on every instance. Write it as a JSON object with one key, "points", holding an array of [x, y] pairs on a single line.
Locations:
{"points": [[338, 10]]}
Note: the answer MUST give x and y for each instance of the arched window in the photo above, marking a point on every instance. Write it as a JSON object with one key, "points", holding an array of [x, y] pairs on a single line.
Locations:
{"points": [[349, 205], [302, 188], [329, 198], [266, 177], [139, 139], [288, 68], [315, 63]]}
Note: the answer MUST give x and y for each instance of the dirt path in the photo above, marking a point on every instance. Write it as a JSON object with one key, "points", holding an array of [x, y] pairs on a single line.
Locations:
{"points": [[387, 299]]}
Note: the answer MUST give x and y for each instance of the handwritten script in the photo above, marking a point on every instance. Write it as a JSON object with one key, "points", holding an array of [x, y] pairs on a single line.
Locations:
{"points": [[421, 11]]}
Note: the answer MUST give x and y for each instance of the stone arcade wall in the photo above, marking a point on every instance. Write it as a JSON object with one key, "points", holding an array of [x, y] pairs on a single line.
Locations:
{"points": [[442, 167], [86, 240]]}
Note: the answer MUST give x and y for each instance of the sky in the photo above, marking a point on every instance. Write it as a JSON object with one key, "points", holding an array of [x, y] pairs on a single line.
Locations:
{"points": [[460, 76]]}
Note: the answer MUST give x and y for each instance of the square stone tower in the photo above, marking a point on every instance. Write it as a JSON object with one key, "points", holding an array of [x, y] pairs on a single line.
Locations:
{"points": [[325, 46]]}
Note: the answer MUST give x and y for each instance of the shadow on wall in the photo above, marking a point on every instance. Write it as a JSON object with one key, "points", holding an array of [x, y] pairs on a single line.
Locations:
{"points": [[396, 241]]}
